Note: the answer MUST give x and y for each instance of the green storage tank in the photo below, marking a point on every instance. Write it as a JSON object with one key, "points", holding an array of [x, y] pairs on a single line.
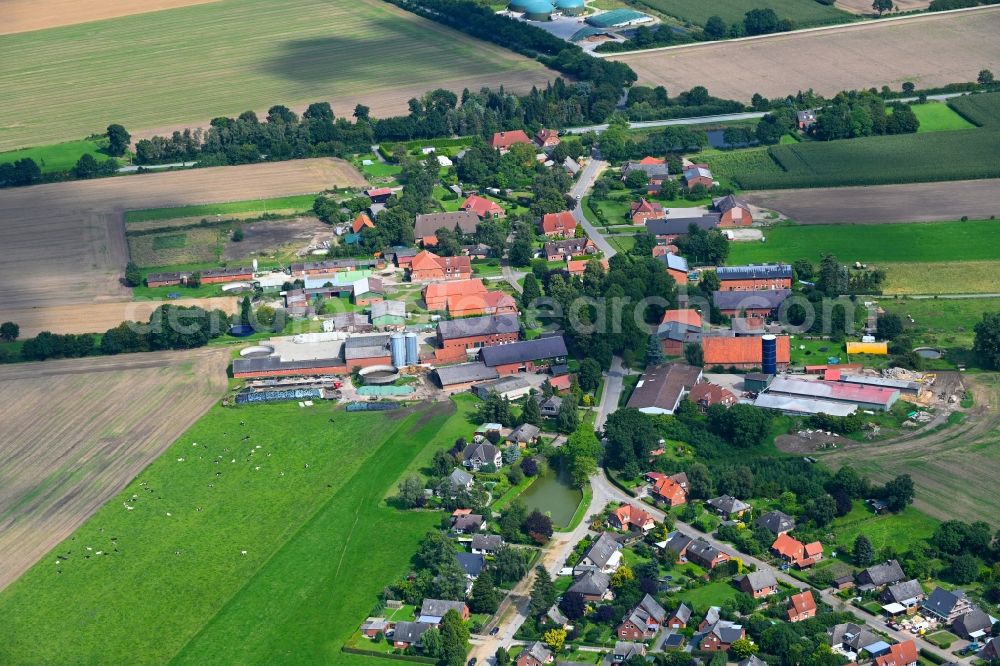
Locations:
{"points": [[538, 10], [570, 7]]}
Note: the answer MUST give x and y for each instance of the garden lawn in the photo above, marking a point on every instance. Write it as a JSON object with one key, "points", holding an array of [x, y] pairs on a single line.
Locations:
{"points": [[173, 584], [902, 530], [939, 117], [295, 203], [57, 156], [713, 594], [959, 242]]}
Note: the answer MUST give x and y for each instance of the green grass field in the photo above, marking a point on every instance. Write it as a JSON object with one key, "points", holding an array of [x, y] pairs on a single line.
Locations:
{"points": [[712, 594], [172, 584], [939, 117], [299, 203], [804, 13], [942, 323], [57, 156], [177, 66], [960, 277], [973, 240], [902, 531]]}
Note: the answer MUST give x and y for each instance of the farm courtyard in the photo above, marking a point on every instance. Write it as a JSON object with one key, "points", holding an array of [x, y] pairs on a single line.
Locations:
{"points": [[260, 535], [929, 50], [77, 257], [183, 71], [104, 420]]}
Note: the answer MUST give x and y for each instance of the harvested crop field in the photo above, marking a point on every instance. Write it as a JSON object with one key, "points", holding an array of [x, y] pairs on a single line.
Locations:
{"points": [[105, 419], [167, 68], [99, 317], [78, 255], [27, 15], [929, 50], [864, 8], [913, 202], [954, 469]]}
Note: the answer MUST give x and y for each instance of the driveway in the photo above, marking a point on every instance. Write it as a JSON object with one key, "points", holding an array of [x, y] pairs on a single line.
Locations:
{"points": [[583, 184]]}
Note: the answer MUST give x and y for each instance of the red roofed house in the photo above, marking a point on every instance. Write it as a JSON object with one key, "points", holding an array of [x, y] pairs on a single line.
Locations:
{"points": [[428, 266], [669, 491], [578, 266], [562, 224], [436, 295], [547, 138], [706, 394], [801, 606], [499, 302], [379, 194], [735, 212], [643, 210], [483, 207], [660, 250], [794, 551], [687, 316], [503, 141], [630, 517], [652, 160], [360, 222], [742, 353], [698, 174], [900, 654]]}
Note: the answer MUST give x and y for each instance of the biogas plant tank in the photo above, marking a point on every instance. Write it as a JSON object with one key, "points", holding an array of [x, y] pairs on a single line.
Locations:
{"points": [[569, 7], [538, 10]]}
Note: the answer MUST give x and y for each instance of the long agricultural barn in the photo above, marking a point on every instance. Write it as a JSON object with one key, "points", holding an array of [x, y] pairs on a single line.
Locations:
{"points": [[901, 385], [787, 404], [461, 377], [525, 356], [866, 397], [754, 276], [479, 331], [756, 304]]}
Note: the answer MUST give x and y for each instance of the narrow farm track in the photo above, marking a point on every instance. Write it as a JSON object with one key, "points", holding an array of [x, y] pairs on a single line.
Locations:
{"points": [[104, 420]]}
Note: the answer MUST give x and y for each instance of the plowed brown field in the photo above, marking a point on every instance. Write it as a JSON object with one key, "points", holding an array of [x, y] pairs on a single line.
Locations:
{"points": [[26, 15], [77, 431], [64, 244], [929, 50]]}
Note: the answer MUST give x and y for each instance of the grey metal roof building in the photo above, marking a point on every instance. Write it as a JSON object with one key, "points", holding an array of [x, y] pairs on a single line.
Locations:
{"points": [[754, 272], [883, 382], [787, 404], [762, 299], [438, 607], [428, 224], [866, 396], [661, 387], [465, 373], [527, 350], [366, 346], [274, 363], [674, 262], [485, 325]]}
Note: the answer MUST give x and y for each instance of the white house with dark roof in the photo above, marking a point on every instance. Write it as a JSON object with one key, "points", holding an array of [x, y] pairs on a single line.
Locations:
{"points": [[604, 555], [482, 453]]}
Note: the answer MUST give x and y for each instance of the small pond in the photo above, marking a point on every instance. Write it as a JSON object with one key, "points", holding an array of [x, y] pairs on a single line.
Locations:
{"points": [[552, 494], [717, 139], [928, 352]]}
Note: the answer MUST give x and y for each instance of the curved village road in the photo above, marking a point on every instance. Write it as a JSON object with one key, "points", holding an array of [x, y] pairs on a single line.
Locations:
{"points": [[514, 609]]}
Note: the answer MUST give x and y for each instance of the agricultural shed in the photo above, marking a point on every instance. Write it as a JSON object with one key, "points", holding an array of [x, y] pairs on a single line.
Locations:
{"points": [[618, 18], [879, 348]]}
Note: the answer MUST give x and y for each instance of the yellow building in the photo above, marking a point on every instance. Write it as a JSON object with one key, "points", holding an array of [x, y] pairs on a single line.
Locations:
{"points": [[881, 348]]}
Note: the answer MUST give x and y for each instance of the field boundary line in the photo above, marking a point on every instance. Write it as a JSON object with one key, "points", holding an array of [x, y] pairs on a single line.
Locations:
{"points": [[803, 31]]}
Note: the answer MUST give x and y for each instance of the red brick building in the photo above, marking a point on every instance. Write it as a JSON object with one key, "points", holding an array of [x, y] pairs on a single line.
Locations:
{"points": [[436, 295], [742, 353], [559, 225], [643, 210], [735, 212], [801, 606], [428, 266], [483, 207], [754, 277], [503, 141], [478, 331]]}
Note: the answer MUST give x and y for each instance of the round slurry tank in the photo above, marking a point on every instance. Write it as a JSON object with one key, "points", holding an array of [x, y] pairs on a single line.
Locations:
{"points": [[570, 7], [236, 287], [519, 5], [538, 10], [397, 349], [928, 352], [412, 349], [257, 351], [379, 374]]}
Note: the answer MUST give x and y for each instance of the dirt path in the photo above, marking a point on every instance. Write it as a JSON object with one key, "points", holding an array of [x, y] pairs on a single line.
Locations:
{"points": [[884, 204], [104, 420], [929, 50]]}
